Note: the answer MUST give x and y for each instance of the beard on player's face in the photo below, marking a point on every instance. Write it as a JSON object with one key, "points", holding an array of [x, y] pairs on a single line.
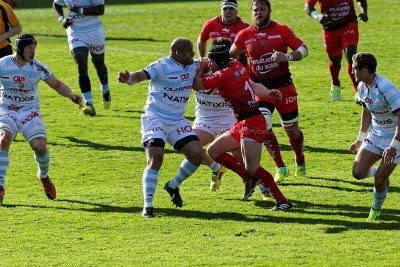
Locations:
{"points": [[261, 22]]}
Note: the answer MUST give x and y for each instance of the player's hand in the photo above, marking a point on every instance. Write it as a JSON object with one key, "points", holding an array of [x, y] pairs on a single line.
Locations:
{"points": [[363, 17], [354, 146], [389, 155], [124, 77], [324, 19], [77, 99], [275, 94], [278, 57], [66, 22]]}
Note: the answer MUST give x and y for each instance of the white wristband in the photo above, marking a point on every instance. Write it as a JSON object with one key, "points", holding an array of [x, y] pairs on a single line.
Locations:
{"points": [[314, 14], [361, 136], [394, 143], [80, 10], [61, 19], [289, 57]]}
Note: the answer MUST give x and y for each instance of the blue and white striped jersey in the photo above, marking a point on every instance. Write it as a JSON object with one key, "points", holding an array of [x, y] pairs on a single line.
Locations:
{"points": [[382, 99], [170, 87], [80, 22], [211, 106], [19, 85]]}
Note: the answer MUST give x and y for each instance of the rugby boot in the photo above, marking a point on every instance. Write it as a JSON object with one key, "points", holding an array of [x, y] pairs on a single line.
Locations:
{"points": [[216, 179], [374, 215], [89, 110], [335, 92], [249, 188], [280, 174], [106, 100], [282, 206], [147, 212], [300, 171], [175, 196], [49, 188]]}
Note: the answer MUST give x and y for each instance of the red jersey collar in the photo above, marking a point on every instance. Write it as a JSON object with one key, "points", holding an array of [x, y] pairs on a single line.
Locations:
{"points": [[272, 24]]}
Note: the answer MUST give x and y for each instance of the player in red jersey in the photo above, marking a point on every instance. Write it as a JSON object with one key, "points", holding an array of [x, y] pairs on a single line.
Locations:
{"points": [[248, 133], [340, 32], [266, 43]]}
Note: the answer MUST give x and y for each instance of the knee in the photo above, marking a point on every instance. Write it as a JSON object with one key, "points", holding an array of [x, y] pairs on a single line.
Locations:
{"points": [[154, 162], [212, 152], [357, 173], [5, 140], [292, 131], [196, 157]]}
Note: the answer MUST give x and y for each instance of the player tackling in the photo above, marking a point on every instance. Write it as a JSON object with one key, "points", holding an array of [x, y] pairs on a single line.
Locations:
{"points": [[20, 74]]}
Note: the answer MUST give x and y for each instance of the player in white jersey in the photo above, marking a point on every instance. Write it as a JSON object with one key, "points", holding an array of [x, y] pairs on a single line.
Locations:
{"points": [[86, 35], [381, 105], [171, 80], [20, 74]]}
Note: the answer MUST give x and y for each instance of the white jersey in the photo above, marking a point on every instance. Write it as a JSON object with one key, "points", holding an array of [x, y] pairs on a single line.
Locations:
{"points": [[382, 99], [170, 88], [82, 22], [211, 106], [19, 85]]}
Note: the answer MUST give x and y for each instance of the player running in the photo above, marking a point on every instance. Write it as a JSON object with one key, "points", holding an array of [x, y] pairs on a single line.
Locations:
{"points": [[381, 112], [86, 35], [20, 74], [340, 33], [266, 43], [234, 85], [171, 80]]}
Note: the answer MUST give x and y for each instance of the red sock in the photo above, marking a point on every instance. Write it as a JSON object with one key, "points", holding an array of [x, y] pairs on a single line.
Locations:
{"points": [[268, 182], [298, 148], [334, 73], [272, 146], [233, 164], [353, 79]]}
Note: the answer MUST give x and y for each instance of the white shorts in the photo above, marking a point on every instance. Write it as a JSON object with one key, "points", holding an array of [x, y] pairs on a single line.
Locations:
{"points": [[168, 130], [94, 40], [377, 144], [29, 123], [216, 126]]}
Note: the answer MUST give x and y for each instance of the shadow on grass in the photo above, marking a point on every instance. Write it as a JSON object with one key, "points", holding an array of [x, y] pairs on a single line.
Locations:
{"points": [[284, 147], [98, 146]]}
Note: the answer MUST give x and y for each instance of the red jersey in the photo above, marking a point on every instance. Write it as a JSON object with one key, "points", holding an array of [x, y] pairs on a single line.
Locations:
{"points": [[260, 44], [341, 12], [216, 28], [234, 85]]}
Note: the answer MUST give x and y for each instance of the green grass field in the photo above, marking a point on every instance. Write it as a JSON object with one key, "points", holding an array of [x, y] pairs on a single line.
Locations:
{"points": [[97, 162]]}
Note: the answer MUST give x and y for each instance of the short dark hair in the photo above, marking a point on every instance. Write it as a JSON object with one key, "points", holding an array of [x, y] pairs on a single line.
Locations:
{"points": [[266, 2], [365, 60], [221, 41]]}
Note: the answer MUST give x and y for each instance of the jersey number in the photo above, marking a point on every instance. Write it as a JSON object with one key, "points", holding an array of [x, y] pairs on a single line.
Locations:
{"points": [[249, 86]]}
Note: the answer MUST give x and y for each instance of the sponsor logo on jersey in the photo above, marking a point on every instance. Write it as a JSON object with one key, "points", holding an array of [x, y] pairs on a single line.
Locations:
{"points": [[383, 122], [215, 34], [261, 34], [185, 77], [173, 78], [31, 116], [97, 48], [380, 112], [178, 99], [225, 30], [250, 41], [265, 64], [368, 101], [339, 12], [178, 89], [17, 98], [237, 73], [182, 130], [212, 104], [274, 36], [262, 44]]}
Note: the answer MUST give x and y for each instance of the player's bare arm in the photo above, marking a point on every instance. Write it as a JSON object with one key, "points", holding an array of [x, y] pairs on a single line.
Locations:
{"points": [[132, 78], [201, 47], [362, 6], [263, 92], [389, 154], [63, 90], [366, 119], [13, 31], [65, 22], [88, 11], [234, 52], [323, 19], [296, 55]]}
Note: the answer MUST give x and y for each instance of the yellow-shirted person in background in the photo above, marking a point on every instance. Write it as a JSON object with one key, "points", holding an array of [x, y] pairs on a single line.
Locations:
{"points": [[9, 26]]}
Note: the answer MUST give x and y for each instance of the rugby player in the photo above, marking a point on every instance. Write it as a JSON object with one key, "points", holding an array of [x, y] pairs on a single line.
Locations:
{"points": [[9, 26], [266, 43], [340, 33], [171, 80], [380, 99], [20, 74], [86, 36]]}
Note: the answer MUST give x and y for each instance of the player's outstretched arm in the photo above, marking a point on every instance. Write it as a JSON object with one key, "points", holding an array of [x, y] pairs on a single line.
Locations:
{"points": [[310, 10], [201, 47], [63, 90], [204, 67], [132, 78], [263, 92]]}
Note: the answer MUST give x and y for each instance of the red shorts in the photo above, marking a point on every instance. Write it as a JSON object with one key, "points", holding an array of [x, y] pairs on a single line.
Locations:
{"points": [[335, 41], [288, 103], [254, 128]]}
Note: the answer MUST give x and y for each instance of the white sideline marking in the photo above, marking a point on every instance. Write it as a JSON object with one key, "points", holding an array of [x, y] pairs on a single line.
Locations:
{"points": [[135, 51]]}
